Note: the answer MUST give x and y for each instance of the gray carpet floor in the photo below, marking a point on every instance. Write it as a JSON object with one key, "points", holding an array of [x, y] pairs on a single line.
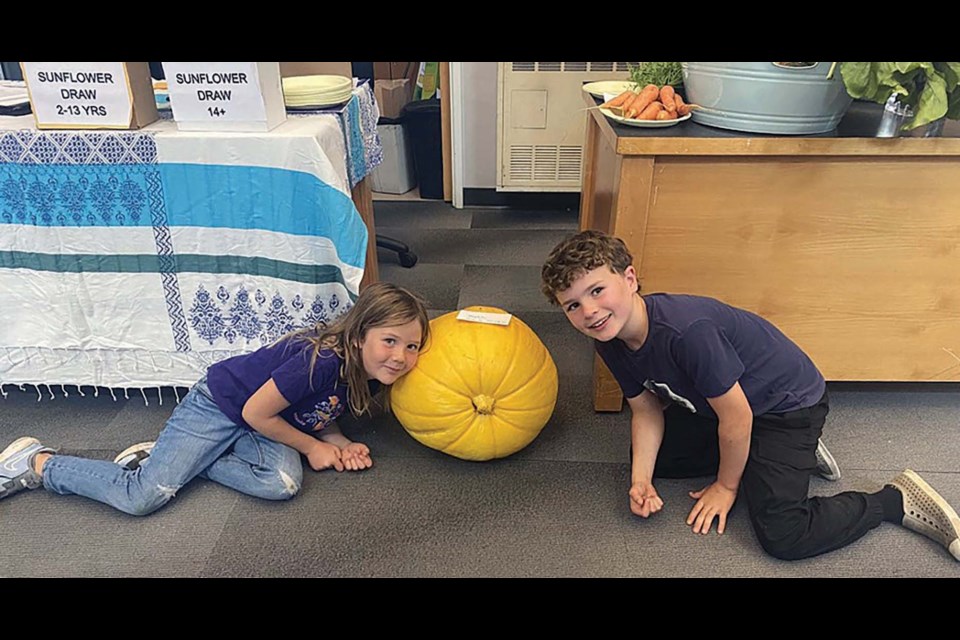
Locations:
{"points": [[558, 508]]}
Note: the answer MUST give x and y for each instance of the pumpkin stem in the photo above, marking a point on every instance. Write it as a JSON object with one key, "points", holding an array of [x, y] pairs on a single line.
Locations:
{"points": [[483, 404]]}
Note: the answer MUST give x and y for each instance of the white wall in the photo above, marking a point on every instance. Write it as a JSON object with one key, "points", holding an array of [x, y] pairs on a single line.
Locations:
{"points": [[479, 84]]}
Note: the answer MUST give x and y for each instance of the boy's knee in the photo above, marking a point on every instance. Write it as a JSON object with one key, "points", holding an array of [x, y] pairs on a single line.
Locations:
{"points": [[779, 537], [782, 549]]}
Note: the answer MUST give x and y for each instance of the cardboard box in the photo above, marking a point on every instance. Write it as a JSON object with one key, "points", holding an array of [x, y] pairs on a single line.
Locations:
{"points": [[225, 96], [288, 69], [396, 71], [391, 95], [90, 95]]}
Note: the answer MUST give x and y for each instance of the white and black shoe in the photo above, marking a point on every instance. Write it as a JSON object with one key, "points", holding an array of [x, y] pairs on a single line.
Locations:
{"points": [[133, 456], [827, 467], [16, 466]]}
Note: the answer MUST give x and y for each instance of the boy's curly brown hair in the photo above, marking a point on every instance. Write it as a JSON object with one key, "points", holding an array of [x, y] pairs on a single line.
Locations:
{"points": [[578, 254]]}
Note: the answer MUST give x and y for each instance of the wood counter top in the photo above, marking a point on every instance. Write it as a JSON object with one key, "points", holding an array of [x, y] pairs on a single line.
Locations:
{"points": [[691, 139]]}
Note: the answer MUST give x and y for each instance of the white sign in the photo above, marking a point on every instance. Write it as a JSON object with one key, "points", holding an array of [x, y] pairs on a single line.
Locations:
{"points": [[79, 93], [485, 318], [215, 91]]}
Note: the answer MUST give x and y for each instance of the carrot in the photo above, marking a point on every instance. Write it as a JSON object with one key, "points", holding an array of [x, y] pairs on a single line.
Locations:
{"points": [[667, 115], [651, 111], [619, 100], [667, 94], [645, 97], [680, 104], [683, 108], [628, 102]]}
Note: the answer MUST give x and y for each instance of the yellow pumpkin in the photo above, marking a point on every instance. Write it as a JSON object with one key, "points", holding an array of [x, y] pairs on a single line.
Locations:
{"points": [[479, 391]]}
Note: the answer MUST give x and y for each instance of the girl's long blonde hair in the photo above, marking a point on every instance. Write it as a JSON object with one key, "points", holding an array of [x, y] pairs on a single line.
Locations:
{"points": [[379, 305]]}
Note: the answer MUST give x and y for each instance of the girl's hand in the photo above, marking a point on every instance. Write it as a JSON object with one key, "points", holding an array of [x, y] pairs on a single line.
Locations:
{"points": [[356, 457], [323, 456], [714, 501], [644, 499]]}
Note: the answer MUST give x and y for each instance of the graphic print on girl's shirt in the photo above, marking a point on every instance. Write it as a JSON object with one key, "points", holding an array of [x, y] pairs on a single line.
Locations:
{"points": [[323, 414]]}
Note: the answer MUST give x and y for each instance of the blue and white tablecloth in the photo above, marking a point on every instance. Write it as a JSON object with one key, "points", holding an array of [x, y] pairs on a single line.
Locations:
{"points": [[358, 122], [139, 258]]}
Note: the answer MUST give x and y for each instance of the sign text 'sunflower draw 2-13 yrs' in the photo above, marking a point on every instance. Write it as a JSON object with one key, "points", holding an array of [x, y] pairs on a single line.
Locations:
{"points": [[79, 93]]}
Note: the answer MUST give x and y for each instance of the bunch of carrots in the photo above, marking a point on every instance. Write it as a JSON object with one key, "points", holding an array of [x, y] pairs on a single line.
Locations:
{"points": [[650, 103]]}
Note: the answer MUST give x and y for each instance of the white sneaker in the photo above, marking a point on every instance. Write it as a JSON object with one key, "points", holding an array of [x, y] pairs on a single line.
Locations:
{"points": [[16, 466], [134, 455], [827, 467], [925, 511]]}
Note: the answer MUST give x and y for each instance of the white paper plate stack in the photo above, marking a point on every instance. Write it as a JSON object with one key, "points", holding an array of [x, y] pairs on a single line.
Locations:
{"points": [[304, 92]]}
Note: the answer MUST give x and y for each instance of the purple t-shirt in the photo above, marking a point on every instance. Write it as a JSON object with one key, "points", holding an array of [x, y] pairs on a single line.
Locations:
{"points": [[698, 347], [312, 406]]}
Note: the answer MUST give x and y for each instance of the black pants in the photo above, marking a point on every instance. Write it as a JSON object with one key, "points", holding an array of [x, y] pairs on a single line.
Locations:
{"points": [[788, 524]]}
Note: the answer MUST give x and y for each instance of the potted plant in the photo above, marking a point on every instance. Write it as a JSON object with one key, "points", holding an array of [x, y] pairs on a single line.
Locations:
{"points": [[928, 90], [658, 73]]}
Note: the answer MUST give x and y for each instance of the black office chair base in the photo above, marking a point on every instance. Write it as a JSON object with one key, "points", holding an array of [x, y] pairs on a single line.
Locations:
{"points": [[407, 258]]}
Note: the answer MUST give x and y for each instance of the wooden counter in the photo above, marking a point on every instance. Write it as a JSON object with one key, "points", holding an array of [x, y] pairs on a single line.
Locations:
{"points": [[850, 245]]}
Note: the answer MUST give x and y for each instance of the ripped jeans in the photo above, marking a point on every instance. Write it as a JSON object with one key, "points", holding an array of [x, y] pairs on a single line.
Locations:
{"points": [[198, 440]]}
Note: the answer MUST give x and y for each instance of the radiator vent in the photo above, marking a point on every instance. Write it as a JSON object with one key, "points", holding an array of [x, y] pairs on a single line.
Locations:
{"points": [[521, 162], [541, 115], [570, 67], [546, 163], [571, 161]]}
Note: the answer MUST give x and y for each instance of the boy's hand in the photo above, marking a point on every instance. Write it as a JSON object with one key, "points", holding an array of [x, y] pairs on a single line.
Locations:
{"points": [[714, 501], [323, 455], [356, 457], [644, 499]]}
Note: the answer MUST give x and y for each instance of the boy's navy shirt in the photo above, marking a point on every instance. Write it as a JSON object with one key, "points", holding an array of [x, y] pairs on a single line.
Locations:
{"points": [[698, 347]]}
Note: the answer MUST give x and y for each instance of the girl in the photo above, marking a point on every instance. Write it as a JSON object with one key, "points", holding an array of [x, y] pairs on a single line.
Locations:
{"points": [[247, 421]]}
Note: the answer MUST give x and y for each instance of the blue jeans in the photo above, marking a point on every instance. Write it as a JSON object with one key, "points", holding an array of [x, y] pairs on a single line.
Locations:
{"points": [[198, 440]]}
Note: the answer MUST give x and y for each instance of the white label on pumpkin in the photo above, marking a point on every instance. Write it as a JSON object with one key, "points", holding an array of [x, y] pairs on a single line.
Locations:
{"points": [[485, 318]]}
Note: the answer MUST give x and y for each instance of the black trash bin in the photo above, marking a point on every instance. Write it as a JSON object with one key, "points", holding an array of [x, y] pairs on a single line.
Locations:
{"points": [[421, 125]]}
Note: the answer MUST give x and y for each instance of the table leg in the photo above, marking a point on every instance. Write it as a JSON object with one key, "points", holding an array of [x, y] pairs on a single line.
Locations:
{"points": [[363, 200]]}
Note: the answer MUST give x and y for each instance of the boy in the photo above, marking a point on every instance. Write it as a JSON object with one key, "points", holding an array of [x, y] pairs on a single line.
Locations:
{"points": [[718, 390]]}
